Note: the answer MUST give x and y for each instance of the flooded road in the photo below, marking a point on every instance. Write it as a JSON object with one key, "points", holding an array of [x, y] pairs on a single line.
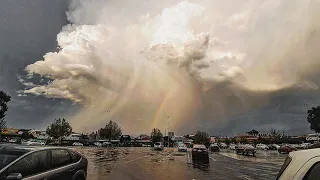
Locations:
{"points": [[144, 163]]}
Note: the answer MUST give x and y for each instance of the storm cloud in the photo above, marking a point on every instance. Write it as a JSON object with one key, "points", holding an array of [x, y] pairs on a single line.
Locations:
{"points": [[223, 67], [27, 31]]}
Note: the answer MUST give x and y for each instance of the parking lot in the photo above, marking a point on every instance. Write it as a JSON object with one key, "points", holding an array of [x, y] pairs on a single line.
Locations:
{"points": [[144, 163]]}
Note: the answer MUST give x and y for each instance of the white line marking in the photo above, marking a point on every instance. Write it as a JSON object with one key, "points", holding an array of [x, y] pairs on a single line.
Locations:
{"points": [[188, 157], [170, 154], [212, 158]]}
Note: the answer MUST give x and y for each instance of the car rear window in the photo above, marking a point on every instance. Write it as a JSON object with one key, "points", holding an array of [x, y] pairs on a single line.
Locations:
{"points": [[75, 156], [199, 147], [284, 166], [313, 173], [60, 157], [6, 157]]}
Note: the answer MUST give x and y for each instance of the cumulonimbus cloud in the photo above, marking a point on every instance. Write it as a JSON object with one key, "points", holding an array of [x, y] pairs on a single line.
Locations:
{"points": [[191, 61]]}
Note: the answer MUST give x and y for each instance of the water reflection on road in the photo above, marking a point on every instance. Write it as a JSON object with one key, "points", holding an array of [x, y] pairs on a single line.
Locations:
{"points": [[144, 163]]}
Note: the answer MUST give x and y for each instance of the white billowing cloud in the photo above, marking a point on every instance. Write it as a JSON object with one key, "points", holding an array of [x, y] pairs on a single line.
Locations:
{"points": [[238, 21], [172, 26], [150, 60]]}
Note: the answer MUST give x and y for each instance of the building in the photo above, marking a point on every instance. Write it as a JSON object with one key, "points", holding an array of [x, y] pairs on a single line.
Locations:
{"points": [[38, 134], [250, 138], [312, 138], [73, 137]]}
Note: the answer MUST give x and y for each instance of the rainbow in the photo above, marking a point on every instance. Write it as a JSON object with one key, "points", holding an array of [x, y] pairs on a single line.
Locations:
{"points": [[156, 118]]}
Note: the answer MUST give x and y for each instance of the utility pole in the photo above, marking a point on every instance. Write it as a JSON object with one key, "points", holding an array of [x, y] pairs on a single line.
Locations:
{"points": [[168, 129]]}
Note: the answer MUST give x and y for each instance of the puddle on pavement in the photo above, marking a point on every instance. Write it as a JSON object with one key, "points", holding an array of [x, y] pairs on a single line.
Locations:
{"points": [[203, 166]]}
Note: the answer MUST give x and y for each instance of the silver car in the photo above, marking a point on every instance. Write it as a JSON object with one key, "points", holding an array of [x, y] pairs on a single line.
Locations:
{"points": [[158, 146], [27, 162]]}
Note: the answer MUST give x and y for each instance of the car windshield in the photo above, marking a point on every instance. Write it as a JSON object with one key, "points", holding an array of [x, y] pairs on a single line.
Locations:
{"points": [[7, 157], [199, 147]]}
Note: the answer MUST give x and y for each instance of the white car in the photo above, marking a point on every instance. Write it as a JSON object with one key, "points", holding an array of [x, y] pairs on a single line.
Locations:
{"points": [[13, 141], [262, 146], [34, 143], [182, 148], [77, 144], [304, 145], [223, 145], [301, 165], [97, 144], [106, 144], [158, 146], [232, 146]]}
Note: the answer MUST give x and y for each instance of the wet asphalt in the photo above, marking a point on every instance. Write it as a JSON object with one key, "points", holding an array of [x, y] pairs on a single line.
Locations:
{"points": [[144, 164]]}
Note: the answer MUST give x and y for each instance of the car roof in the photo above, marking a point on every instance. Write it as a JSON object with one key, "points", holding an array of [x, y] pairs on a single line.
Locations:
{"points": [[305, 154], [22, 148], [199, 146]]}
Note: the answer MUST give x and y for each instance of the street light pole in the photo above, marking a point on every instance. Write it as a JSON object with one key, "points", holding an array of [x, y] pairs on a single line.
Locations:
{"points": [[168, 129]]}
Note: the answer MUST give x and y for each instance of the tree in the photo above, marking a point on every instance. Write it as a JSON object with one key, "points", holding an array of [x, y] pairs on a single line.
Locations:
{"points": [[202, 138], [227, 141], [110, 131], [234, 140], [243, 140], [277, 135], [26, 135], [253, 132], [4, 99], [156, 135], [314, 118], [60, 127]]}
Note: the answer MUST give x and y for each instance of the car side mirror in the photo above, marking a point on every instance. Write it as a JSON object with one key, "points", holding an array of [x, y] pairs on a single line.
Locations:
{"points": [[14, 176]]}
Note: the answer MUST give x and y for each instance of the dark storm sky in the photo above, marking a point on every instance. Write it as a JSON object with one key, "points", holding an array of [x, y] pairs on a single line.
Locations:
{"points": [[27, 31]]}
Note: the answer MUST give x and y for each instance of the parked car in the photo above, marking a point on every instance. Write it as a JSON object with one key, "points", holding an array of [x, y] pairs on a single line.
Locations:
{"points": [[301, 165], [313, 146], [106, 144], [304, 145], [182, 148], [97, 144], [273, 147], [246, 149], [13, 140], [262, 146], [200, 153], [214, 148], [77, 144], [158, 146], [232, 146], [223, 145], [33, 142], [27, 162], [286, 149]]}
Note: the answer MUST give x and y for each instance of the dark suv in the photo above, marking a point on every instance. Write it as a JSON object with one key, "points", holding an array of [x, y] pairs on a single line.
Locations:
{"points": [[26, 162], [200, 153]]}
